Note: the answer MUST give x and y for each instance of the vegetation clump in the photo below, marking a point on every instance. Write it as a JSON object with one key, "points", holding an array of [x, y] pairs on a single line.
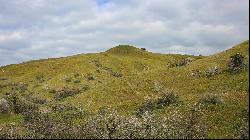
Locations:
{"points": [[4, 106], [166, 99], [236, 62], [212, 71], [3, 78], [64, 92], [181, 62], [196, 73], [210, 98], [90, 77]]}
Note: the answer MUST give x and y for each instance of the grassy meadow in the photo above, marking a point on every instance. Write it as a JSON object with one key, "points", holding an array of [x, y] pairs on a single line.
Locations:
{"points": [[127, 92]]}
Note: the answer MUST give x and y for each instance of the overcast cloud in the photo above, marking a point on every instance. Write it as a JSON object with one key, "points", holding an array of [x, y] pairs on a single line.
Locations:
{"points": [[36, 29]]}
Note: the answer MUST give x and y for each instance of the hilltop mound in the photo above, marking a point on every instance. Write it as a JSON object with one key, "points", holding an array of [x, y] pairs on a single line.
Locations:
{"points": [[126, 50]]}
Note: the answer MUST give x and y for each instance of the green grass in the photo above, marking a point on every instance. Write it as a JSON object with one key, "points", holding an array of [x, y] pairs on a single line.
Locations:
{"points": [[10, 118]]}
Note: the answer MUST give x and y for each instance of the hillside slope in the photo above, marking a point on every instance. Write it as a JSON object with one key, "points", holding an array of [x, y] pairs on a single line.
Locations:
{"points": [[132, 80]]}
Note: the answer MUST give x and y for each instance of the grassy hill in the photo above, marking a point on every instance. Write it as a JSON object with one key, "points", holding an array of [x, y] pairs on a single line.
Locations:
{"points": [[196, 96]]}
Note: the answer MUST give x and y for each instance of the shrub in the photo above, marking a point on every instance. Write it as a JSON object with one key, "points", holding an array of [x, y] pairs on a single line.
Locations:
{"points": [[19, 86], [243, 132], [4, 106], [10, 131], [45, 126], [196, 73], [102, 126], [210, 99], [166, 99], [147, 106], [182, 62], [20, 105], [236, 62], [108, 124], [36, 99], [212, 71], [62, 107], [65, 92]]}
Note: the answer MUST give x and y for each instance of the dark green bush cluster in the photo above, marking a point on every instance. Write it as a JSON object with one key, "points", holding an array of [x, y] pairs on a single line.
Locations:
{"points": [[236, 62]]}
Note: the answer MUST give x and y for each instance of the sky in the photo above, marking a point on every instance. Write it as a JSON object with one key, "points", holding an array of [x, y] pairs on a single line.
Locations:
{"points": [[40, 29]]}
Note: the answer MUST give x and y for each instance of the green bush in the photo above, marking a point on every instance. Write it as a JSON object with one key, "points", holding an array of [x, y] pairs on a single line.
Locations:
{"points": [[36, 99], [21, 105], [210, 98], [181, 62], [65, 92], [10, 131], [236, 62], [166, 99], [4, 106], [212, 71]]}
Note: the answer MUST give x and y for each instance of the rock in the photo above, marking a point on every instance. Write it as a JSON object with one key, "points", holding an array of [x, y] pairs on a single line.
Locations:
{"points": [[4, 106]]}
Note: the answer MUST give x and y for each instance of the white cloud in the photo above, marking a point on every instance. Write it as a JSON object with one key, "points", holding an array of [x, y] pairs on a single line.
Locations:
{"points": [[52, 28]]}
